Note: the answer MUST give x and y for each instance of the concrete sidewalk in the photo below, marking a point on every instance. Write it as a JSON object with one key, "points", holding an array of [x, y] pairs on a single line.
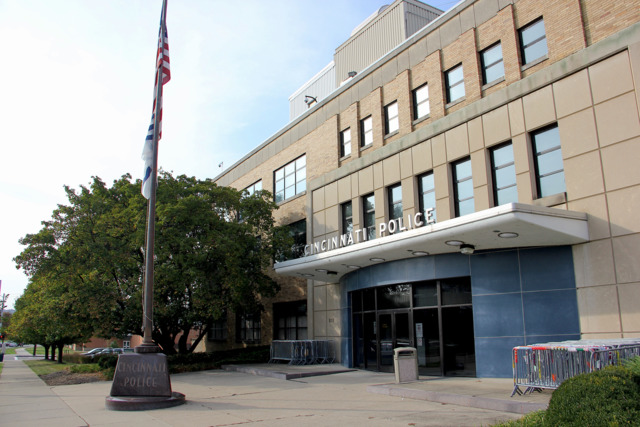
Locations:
{"points": [[257, 395]]}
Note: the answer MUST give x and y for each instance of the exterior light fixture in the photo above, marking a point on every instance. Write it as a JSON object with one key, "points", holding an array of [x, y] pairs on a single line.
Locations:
{"points": [[419, 253], [467, 249], [306, 275], [377, 259], [508, 235], [308, 99], [352, 73], [353, 267], [454, 242]]}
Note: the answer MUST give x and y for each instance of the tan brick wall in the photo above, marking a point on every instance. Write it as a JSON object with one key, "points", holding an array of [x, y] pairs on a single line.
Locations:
{"points": [[606, 17], [463, 50], [430, 71]]}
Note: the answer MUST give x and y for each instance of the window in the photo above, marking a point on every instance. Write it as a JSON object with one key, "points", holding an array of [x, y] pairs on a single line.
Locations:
{"points": [[250, 190], [369, 210], [298, 231], [454, 81], [290, 179], [290, 320], [347, 217], [126, 344], [492, 64], [392, 123], [395, 201], [218, 329], [366, 132], [427, 195], [548, 161], [248, 328], [345, 142], [504, 175], [421, 102], [463, 187], [533, 41]]}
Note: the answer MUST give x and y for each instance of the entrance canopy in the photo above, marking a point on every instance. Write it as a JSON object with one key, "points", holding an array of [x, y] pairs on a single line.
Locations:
{"points": [[513, 225]]}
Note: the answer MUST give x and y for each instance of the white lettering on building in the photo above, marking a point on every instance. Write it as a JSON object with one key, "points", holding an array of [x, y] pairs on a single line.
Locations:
{"points": [[360, 235]]}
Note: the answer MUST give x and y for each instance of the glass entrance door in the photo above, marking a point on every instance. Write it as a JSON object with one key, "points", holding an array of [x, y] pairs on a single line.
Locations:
{"points": [[394, 331]]}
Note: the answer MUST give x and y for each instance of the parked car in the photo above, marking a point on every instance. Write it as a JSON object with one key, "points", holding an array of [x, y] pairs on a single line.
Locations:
{"points": [[92, 352], [111, 350]]}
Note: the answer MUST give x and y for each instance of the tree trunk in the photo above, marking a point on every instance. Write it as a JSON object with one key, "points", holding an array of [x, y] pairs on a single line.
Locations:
{"points": [[201, 335], [46, 352], [53, 353], [182, 342], [34, 349], [60, 347]]}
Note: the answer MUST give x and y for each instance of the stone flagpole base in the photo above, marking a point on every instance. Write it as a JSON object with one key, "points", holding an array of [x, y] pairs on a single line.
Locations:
{"points": [[141, 382]]}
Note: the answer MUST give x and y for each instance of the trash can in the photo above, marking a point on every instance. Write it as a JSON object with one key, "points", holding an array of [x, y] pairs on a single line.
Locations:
{"points": [[405, 363], [1, 357]]}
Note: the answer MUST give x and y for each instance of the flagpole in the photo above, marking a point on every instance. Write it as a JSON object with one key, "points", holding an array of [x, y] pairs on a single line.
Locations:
{"points": [[148, 345]]}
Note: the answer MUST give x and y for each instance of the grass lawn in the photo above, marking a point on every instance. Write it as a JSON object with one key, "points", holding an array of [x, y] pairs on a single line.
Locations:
{"points": [[9, 350], [44, 367]]}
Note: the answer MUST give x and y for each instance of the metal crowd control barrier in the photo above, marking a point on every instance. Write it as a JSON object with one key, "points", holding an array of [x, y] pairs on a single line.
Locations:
{"points": [[302, 352], [547, 365]]}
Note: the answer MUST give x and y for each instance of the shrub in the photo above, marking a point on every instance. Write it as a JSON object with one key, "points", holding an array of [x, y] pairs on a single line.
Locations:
{"points": [[84, 369], [107, 361], [607, 397], [633, 365]]}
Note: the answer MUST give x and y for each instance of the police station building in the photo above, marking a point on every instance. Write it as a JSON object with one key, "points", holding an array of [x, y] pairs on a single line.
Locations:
{"points": [[460, 182]]}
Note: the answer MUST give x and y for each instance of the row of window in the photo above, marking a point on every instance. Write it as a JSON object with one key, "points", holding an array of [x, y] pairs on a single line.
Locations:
{"points": [[533, 47], [290, 323], [549, 174]]}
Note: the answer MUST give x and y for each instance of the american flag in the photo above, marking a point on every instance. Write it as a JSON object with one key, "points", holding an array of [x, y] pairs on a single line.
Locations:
{"points": [[162, 65]]}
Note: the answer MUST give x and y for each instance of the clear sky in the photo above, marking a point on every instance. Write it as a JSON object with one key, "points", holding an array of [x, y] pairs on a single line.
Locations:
{"points": [[76, 91]]}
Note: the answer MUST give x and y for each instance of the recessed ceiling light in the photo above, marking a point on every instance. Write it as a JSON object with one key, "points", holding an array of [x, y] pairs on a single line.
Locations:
{"points": [[376, 259], [454, 242], [353, 267], [508, 235], [321, 270], [306, 275], [419, 253]]}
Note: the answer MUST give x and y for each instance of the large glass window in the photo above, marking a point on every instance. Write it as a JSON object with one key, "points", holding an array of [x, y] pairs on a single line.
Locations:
{"points": [[395, 201], [369, 215], [492, 63], [248, 328], [298, 231], [290, 320], [421, 102], [503, 170], [290, 179], [366, 132], [463, 187], [346, 217], [250, 190], [454, 81], [427, 194], [392, 123], [548, 160], [218, 329], [533, 41], [345, 142]]}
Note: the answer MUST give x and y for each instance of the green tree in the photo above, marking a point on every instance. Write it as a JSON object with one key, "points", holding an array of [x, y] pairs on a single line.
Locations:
{"points": [[213, 248]]}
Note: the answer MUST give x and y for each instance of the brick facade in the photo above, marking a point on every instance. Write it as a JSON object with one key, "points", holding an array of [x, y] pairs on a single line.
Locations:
{"points": [[589, 91]]}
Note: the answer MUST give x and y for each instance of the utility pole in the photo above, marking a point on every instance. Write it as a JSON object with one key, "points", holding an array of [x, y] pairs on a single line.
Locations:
{"points": [[2, 307]]}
